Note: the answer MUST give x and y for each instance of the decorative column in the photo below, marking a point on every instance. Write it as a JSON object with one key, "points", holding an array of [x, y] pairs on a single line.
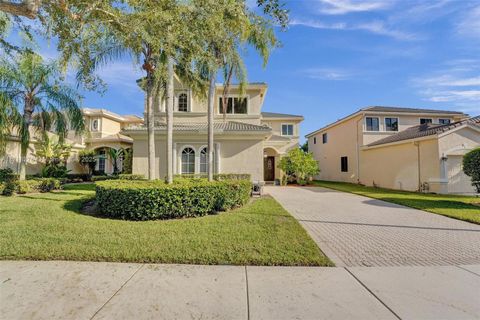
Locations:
{"points": [[175, 159], [217, 158]]}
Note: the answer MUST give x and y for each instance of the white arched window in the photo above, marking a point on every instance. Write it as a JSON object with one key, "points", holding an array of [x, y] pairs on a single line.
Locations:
{"points": [[204, 160], [183, 102], [188, 161]]}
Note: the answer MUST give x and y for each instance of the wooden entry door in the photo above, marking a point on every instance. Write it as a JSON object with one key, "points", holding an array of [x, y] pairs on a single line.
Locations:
{"points": [[269, 168]]}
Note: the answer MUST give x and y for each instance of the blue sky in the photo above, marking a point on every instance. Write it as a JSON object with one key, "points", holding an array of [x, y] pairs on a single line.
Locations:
{"points": [[338, 56]]}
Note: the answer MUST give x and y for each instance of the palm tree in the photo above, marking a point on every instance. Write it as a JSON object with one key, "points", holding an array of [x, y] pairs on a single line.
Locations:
{"points": [[115, 155], [30, 85]]}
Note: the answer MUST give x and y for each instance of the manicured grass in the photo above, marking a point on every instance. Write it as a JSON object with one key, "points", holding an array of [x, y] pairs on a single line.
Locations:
{"points": [[50, 226], [458, 207]]}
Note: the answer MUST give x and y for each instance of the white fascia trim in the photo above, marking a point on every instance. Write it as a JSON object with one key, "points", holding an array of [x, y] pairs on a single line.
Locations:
{"points": [[431, 137]]}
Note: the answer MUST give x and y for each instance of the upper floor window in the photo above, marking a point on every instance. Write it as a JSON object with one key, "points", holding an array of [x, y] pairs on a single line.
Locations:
{"points": [[94, 125], [314, 140], [324, 138], [183, 102], [235, 105], [391, 124], [372, 124], [344, 164], [425, 120], [444, 121], [287, 129]]}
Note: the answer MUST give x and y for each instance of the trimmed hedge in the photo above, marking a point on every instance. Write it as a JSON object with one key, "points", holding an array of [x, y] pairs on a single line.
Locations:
{"points": [[148, 200], [27, 186], [217, 176]]}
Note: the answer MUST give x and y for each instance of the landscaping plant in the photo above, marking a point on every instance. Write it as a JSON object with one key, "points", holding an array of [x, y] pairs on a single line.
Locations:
{"points": [[471, 167], [148, 200], [299, 166], [88, 159]]}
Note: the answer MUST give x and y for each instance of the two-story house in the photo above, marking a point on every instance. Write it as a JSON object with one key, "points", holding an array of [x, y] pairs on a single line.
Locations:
{"points": [[102, 132], [398, 148], [246, 139]]}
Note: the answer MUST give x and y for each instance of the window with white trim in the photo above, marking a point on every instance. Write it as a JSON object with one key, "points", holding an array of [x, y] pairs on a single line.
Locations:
{"points": [[372, 124], [425, 120], [94, 125], [204, 160], [188, 161], [444, 121], [235, 105], [391, 124], [183, 102], [287, 129]]}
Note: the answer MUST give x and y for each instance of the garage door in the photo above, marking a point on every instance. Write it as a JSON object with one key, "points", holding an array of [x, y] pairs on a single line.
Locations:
{"points": [[458, 182]]}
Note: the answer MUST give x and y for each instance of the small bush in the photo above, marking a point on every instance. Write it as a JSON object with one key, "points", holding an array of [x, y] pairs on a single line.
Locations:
{"points": [[125, 176], [77, 177], [471, 167], [9, 187], [217, 177], [7, 175], [38, 185], [102, 178], [299, 166], [147, 200]]}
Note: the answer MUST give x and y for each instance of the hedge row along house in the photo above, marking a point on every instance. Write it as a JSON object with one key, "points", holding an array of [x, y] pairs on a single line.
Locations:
{"points": [[247, 140], [103, 131], [398, 148]]}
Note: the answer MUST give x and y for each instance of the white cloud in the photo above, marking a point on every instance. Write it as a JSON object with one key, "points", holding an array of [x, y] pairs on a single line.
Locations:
{"points": [[337, 7], [376, 27], [328, 74], [457, 84], [470, 23]]}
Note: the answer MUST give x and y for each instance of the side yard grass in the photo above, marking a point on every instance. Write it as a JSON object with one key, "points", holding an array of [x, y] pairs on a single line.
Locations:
{"points": [[459, 207], [51, 227]]}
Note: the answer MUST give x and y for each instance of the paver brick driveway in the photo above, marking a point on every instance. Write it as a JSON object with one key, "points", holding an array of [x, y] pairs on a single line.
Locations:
{"points": [[354, 230]]}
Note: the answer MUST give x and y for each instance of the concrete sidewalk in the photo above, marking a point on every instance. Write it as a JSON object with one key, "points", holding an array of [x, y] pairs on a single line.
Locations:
{"points": [[97, 290]]}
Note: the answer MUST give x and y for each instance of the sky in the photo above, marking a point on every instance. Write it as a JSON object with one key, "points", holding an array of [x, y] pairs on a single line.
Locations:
{"points": [[338, 56]]}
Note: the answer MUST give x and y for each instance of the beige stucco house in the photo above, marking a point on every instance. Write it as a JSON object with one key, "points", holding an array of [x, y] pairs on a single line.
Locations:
{"points": [[103, 131], [398, 148], [247, 140]]}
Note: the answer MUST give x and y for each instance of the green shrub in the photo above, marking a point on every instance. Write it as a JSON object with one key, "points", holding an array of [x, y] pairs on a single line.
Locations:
{"points": [[217, 177], [37, 185], [7, 175], [102, 178], [125, 176], [146, 200], [299, 166], [471, 167], [9, 187]]}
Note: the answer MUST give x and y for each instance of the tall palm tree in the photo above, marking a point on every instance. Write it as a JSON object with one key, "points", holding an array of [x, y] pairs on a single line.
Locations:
{"points": [[35, 97]]}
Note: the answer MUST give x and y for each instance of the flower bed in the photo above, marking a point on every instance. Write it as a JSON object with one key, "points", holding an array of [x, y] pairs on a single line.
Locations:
{"points": [[148, 200]]}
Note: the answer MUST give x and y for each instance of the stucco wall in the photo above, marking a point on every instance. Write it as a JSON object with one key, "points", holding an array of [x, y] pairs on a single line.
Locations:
{"points": [[453, 146], [397, 166], [236, 156], [341, 142]]}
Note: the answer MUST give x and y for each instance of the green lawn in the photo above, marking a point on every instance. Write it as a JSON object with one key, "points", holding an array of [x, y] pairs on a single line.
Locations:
{"points": [[458, 207], [49, 226]]}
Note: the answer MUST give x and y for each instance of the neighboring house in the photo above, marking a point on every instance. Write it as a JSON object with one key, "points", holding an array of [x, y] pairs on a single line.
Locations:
{"points": [[246, 140], [102, 132], [398, 148]]}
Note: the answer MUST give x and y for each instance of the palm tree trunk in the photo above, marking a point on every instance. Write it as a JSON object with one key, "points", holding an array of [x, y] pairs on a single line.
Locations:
{"points": [[25, 138], [211, 101], [150, 130], [169, 102]]}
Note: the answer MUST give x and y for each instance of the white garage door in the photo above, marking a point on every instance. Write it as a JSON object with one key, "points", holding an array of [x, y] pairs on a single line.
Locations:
{"points": [[458, 182]]}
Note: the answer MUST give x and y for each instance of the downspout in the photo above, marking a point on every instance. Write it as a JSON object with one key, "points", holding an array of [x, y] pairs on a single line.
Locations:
{"points": [[417, 144], [358, 148]]}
